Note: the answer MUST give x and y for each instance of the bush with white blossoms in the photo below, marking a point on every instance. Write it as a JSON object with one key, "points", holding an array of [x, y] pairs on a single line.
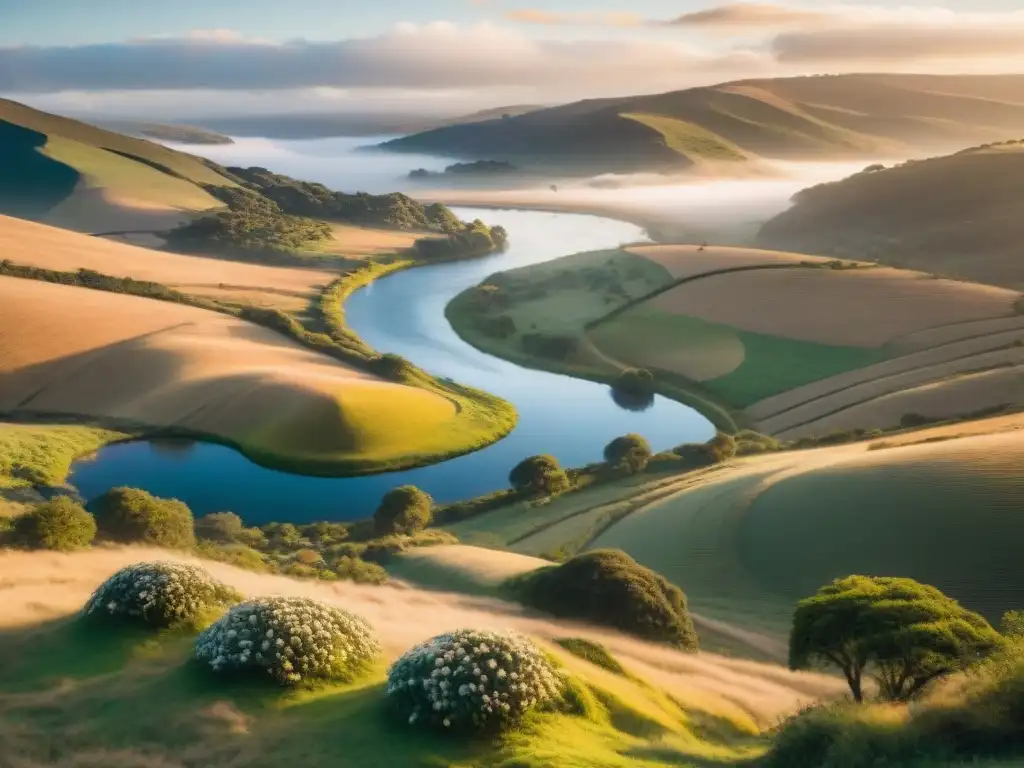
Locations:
{"points": [[160, 594], [473, 680], [292, 639]]}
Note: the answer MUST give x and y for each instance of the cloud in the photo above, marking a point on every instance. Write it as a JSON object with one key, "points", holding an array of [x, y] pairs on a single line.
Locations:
{"points": [[750, 15], [582, 18], [433, 56], [957, 39]]}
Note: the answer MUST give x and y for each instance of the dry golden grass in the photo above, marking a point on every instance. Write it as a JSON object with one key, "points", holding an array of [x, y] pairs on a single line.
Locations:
{"points": [[949, 334], [92, 209], [864, 308], [38, 245], [361, 242], [946, 399], [690, 260], [74, 350], [39, 586], [924, 383]]}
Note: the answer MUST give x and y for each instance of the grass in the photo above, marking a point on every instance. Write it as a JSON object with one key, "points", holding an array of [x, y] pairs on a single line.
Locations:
{"points": [[38, 454], [690, 140], [770, 364], [121, 696]]}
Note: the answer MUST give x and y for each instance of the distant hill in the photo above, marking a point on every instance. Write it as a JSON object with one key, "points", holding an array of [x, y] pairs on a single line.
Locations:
{"points": [[799, 118], [184, 134], [319, 125], [959, 215], [74, 175]]}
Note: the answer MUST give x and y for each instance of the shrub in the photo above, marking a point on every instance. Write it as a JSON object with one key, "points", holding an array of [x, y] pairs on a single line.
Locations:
{"points": [[405, 509], [540, 475], [630, 452], [60, 524], [750, 442], [911, 420], [904, 634], [721, 447], [131, 515], [609, 587], [635, 381], [238, 555], [160, 594], [471, 680], [291, 639], [359, 571], [222, 527], [1012, 624]]}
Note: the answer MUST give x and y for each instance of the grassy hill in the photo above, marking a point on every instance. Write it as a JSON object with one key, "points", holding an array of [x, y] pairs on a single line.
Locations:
{"points": [[798, 118], [792, 345], [135, 698], [75, 175], [960, 215]]}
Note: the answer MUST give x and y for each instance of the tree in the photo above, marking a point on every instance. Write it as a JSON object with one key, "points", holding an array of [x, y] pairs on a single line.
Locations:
{"points": [[222, 527], [405, 509], [901, 633], [134, 516], [630, 452], [540, 474], [61, 524]]}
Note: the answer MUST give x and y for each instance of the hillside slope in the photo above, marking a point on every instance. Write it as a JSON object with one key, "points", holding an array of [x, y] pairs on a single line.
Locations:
{"points": [[78, 176], [959, 215], [798, 118]]}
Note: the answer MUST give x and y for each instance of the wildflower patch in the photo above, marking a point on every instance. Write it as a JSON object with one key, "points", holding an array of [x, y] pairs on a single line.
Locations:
{"points": [[160, 594], [472, 680], [291, 639]]}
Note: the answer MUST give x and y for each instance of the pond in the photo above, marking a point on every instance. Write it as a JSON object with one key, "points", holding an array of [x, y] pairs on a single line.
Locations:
{"points": [[404, 313]]}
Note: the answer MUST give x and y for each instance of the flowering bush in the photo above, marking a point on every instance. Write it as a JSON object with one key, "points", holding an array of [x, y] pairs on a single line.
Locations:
{"points": [[292, 639], [470, 680], [160, 594]]}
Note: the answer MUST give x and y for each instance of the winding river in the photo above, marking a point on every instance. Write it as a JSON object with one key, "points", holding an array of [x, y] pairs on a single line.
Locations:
{"points": [[404, 313]]}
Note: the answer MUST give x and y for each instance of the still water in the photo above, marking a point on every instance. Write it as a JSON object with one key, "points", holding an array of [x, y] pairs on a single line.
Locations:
{"points": [[404, 313]]}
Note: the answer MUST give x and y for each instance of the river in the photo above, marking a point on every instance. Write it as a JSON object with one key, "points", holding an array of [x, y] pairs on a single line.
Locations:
{"points": [[404, 313]]}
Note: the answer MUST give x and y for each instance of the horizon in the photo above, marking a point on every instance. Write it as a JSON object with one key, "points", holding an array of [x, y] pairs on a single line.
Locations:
{"points": [[191, 61]]}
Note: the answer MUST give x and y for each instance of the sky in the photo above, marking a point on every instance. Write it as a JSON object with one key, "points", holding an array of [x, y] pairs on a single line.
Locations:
{"points": [[196, 57]]}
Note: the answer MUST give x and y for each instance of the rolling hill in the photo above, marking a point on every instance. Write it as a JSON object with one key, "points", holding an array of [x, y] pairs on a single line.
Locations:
{"points": [[81, 177], [960, 215], [800, 118]]}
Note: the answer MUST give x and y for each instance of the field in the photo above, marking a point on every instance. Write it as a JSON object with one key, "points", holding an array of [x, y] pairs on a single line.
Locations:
{"points": [[37, 245], [691, 141], [73, 350], [360, 242], [132, 699], [788, 344]]}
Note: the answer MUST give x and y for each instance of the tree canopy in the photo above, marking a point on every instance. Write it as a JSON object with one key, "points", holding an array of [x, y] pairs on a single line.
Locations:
{"points": [[405, 509], [630, 452], [902, 633], [132, 515], [539, 474]]}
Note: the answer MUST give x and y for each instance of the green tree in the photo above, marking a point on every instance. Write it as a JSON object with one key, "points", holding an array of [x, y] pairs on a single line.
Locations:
{"points": [[134, 516], [61, 524], [539, 474], [405, 509], [222, 527], [630, 452], [901, 633]]}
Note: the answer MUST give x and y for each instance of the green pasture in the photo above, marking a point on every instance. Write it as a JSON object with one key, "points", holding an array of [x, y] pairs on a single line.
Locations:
{"points": [[689, 139]]}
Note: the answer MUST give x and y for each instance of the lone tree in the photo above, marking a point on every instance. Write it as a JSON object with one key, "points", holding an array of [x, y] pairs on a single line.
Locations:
{"points": [[405, 509], [61, 524], [540, 474], [901, 633], [131, 515], [630, 452]]}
